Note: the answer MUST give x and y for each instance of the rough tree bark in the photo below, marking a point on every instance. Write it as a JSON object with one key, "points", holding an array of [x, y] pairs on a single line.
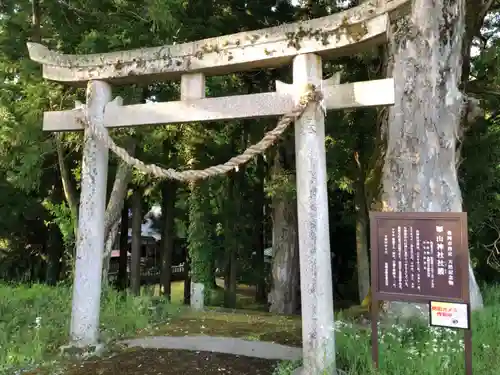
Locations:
{"points": [[420, 172], [187, 280], [55, 251], [123, 261], [113, 214], [70, 193], [168, 193], [259, 236], [135, 267], [284, 297], [230, 241], [362, 220]]}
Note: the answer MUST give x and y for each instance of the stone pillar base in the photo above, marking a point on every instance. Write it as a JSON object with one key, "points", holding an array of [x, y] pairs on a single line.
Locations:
{"points": [[300, 371], [197, 296], [81, 352]]}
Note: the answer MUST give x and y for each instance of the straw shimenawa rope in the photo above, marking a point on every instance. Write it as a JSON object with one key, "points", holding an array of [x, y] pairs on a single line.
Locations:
{"points": [[101, 133]]}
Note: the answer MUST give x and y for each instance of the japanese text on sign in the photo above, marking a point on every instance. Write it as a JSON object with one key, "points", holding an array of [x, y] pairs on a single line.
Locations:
{"points": [[419, 257]]}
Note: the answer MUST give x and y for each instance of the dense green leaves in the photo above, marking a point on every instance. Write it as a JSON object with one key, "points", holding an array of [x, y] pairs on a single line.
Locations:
{"points": [[30, 175]]}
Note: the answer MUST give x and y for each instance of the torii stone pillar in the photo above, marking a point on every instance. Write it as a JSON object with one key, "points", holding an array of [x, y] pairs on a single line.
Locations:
{"points": [[344, 33], [314, 233], [84, 329]]}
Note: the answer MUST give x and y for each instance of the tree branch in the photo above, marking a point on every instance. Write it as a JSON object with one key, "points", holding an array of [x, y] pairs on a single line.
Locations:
{"points": [[70, 193], [118, 194]]}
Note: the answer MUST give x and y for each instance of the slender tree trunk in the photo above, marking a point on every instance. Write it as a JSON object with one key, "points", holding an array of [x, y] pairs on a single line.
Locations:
{"points": [[362, 220], [55, 244], [108, 248], [187, 281], [259, 202], [36, 15], [230, 236], [55, 251], [135, 271], [169, 192], [68, 187], [114, 209], [233, 284], [363, 263], [420, 172], [123, 261]]}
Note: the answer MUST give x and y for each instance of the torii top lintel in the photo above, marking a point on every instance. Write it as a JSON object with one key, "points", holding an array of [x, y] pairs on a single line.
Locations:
{"points": [[340, 34]]}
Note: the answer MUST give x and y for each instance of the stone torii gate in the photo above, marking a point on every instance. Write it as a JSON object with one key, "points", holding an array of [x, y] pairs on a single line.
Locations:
{"points": [[304, 44]]}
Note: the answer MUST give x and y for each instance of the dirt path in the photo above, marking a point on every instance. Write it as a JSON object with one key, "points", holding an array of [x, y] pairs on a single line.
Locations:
{"points": [[189, 355], [174, 362]]}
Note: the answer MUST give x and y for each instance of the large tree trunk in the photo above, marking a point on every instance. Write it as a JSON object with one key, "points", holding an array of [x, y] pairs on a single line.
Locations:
{"points": [[169, 192], [284, 297], [135, 267], [420, 172]]}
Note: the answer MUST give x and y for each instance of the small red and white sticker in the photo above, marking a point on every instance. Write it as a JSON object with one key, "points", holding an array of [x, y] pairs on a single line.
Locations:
{"points": [[449, 314]]}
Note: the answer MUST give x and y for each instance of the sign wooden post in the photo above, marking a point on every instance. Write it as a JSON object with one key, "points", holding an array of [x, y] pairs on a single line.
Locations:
{"points": [[303, 43], [422, 257]]}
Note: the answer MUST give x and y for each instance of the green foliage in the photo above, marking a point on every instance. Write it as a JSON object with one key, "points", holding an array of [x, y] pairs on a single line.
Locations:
{"points": [[200, 236], [29, 165], [282, 185], [419, 349], [61, 215], [480, 168], [34, 321]]}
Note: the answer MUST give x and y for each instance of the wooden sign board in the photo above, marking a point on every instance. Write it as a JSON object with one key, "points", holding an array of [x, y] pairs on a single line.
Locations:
{"points": [[419, 257], [422, 257]]}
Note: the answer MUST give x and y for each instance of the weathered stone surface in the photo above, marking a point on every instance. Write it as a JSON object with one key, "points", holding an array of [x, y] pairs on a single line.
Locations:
{"points": [[318, 335], [301, 371], [345, 96], [197, 296], [340, 34], [80, 353], [84, 329]]}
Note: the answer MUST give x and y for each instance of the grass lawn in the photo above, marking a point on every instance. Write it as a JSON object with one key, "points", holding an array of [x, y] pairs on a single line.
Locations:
{"points": [[417, 349], [245, 295], [34, 323]]}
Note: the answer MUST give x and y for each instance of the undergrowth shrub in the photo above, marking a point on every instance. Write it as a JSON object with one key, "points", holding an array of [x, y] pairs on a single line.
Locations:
{"points": [[34, 321], [417, 348]]}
